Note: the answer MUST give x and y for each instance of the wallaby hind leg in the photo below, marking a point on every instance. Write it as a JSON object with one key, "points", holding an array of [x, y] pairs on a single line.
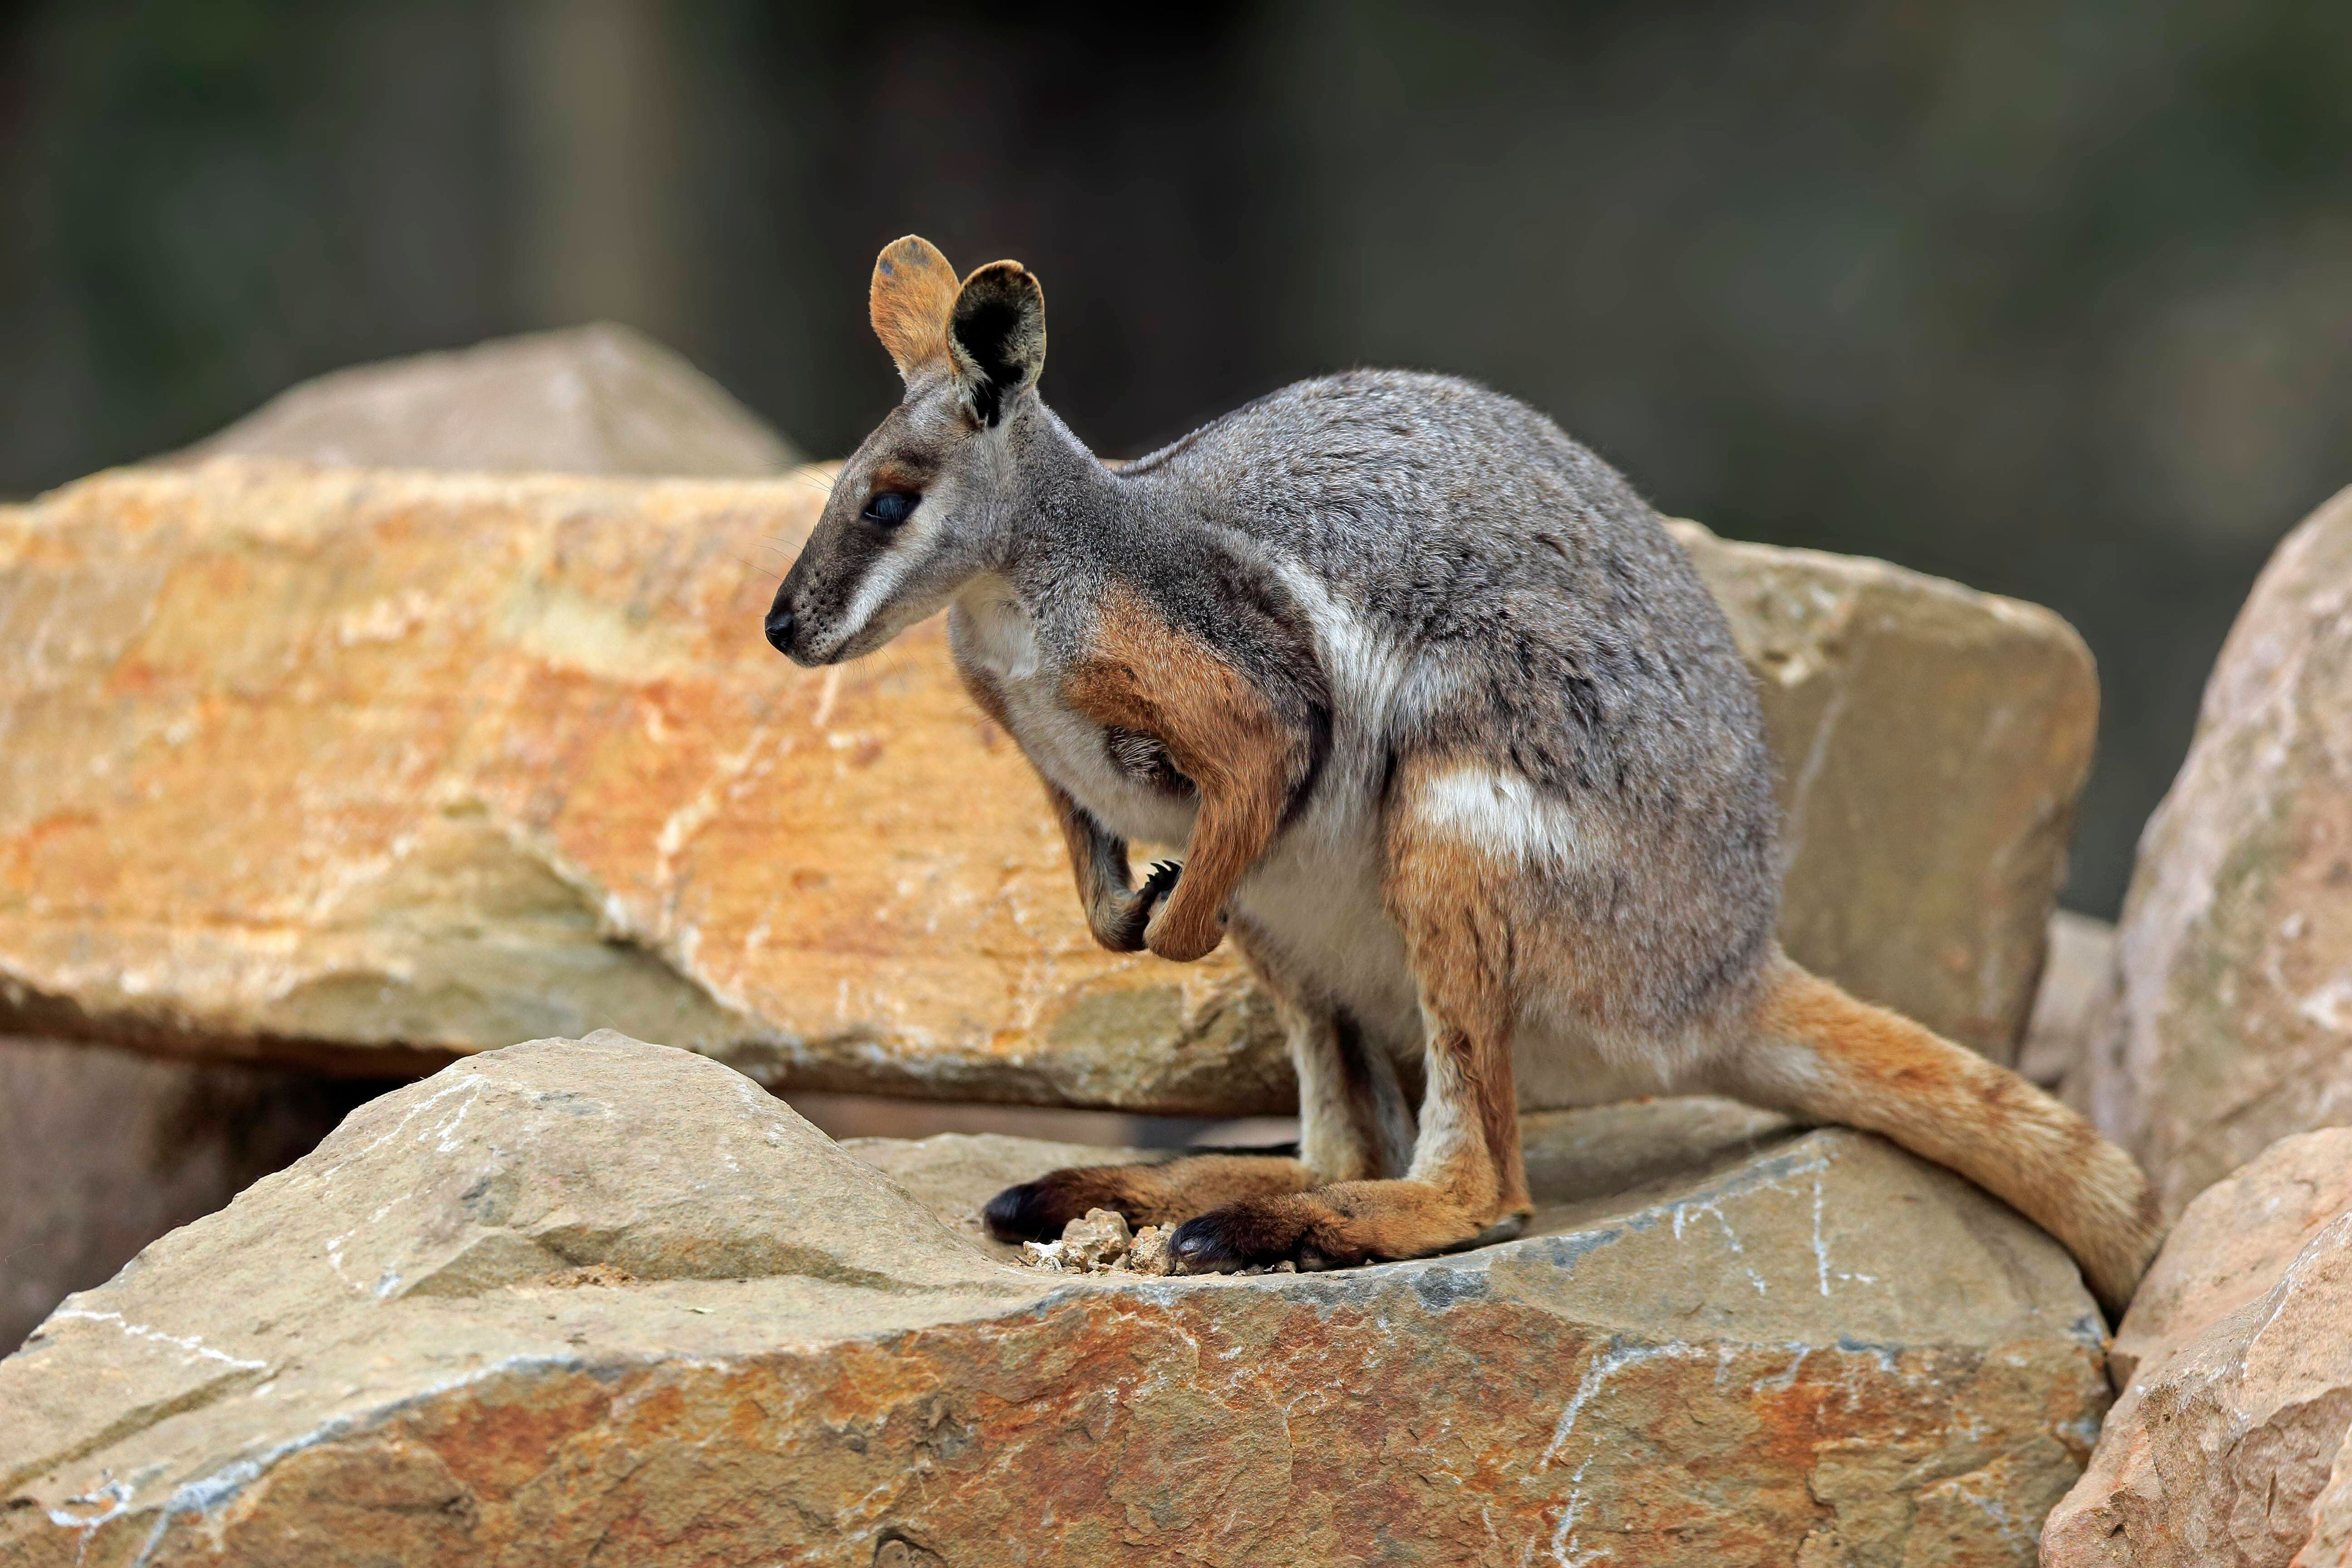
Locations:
{"points": [[1352, 1123], [1466, 1182], [1820, 1054]]}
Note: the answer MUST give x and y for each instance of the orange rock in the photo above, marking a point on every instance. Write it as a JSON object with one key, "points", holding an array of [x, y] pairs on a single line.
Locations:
{"points": [[363, 769]]}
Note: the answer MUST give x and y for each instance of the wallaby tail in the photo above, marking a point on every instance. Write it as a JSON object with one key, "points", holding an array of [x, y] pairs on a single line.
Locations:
{"points": [[1820, 1055]]}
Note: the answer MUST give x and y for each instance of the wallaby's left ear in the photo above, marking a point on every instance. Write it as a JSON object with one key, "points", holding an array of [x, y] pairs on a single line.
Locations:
{"points": [[997, 336]]}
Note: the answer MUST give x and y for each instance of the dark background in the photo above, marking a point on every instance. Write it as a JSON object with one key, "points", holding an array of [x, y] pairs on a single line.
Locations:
{"points": [[2054, 297]]}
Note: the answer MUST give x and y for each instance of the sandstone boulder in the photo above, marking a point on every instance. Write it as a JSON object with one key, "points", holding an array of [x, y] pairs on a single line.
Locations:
{"points": [[2233, 1025], [598, 399], [361, 769], [2227, 1448], [1933, 742], [576, 1299], [103, 1151]]}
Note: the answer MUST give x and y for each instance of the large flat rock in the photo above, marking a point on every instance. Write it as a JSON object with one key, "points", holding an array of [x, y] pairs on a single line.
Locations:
{"points": [[2232, 1028], [576, 1300], [2231, 1445], [365, 769]]}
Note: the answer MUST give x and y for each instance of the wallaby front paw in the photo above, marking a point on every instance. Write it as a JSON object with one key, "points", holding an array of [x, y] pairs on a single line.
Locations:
{"points": [[1125, 930], [1182, 942]]}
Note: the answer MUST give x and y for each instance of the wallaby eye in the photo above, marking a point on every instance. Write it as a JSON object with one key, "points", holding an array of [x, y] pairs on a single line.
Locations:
{"points": [[890, 507]]}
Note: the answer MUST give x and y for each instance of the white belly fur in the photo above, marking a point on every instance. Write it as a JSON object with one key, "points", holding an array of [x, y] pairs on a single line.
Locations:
{"points": [[1316, 900]]}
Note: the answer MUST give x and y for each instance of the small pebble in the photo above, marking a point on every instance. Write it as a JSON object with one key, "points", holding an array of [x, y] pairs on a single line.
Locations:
{"points": [[1044, 1255], [1096, 1240], [1148, 1252]]}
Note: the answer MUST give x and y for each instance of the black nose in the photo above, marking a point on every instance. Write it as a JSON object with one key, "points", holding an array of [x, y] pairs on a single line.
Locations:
{"points": [[780, 628]]}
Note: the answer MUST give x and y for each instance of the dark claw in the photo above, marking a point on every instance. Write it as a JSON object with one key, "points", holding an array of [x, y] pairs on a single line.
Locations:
{"points": [[1198, 1247], [1238, 1236], [1021, 1213], [1123, 932]]}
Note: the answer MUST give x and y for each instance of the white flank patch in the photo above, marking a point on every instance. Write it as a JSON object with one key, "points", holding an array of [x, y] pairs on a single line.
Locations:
{"points": [[1506, 816]]}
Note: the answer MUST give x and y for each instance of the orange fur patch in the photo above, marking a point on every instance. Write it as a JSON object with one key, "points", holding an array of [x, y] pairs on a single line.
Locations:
{"points": [[1464, 933], [913, 293], [1826, 1055], [1144, 675]]}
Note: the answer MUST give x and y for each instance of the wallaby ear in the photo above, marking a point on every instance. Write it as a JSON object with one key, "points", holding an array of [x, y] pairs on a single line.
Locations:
{"points": [[914, 291], [997, 334]]}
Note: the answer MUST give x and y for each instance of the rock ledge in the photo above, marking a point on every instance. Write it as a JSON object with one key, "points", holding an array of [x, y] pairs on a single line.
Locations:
{"points": [[599, 1295]]}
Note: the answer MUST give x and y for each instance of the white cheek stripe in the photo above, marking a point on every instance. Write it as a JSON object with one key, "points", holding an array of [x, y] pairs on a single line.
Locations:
{"points": [[1506, 816], [881, 585]]}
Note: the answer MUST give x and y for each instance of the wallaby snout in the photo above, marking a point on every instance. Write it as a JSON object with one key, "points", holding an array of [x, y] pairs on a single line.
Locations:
{"points": [[780, 623]]}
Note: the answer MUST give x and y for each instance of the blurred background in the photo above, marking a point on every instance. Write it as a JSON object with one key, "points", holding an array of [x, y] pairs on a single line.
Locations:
{"points": [[2051, 297]]}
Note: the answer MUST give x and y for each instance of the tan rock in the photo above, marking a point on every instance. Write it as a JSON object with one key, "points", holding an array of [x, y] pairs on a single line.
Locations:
{"points": [[1759, 1346], [508, 757], [478, 759], [2233, 1025], [1149, 1253], [1933, 742], [2235, 1362], [103, 1151], [598, 399]]}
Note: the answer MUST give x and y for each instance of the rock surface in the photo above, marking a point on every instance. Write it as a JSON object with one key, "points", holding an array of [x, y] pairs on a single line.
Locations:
{"points": [[603, 1297], [103, 1151], [482, 759], [2235, 1362], [2072, 1001], [2233, 1025], [598, 399], [2330, 1545]]}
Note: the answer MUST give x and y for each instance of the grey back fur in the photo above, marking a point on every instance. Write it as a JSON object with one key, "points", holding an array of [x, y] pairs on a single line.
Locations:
{"points": [[1555, 628]]}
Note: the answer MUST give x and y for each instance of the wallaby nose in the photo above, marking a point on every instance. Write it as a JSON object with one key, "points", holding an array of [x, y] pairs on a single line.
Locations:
{"points": [[780, 628]]}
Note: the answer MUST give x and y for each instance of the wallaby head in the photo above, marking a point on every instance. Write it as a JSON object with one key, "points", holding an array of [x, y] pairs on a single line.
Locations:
{"points": [[923, 504]]}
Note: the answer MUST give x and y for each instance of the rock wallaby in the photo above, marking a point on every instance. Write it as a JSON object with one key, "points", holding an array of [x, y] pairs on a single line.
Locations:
{"points": [[1461, 758]]}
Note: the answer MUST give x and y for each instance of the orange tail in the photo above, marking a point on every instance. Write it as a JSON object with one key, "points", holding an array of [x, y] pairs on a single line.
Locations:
{"points": [[1820, 1055]]}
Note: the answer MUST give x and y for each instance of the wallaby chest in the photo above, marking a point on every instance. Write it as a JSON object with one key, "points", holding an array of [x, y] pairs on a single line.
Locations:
{"points": [[1123, 777]]}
